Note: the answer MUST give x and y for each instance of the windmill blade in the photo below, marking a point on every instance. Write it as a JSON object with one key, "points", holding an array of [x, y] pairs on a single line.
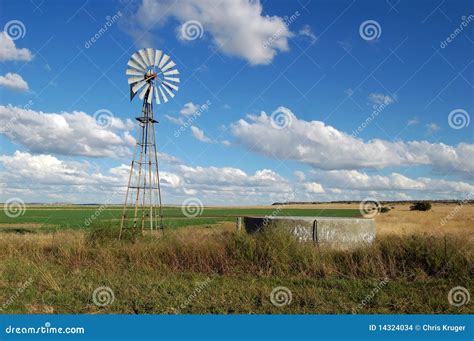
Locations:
{"points": [[137, 59], [172, 86], [170, 93], [150, 95], [151, 55], [165, 99], [158, 55], [171, 72], [132, 72], [163, 60], [142, 94], [137, 86], [133, 64], [172, 79], [156, 95], [142, 54], [132, 93], [135, 79], [168, 66]]}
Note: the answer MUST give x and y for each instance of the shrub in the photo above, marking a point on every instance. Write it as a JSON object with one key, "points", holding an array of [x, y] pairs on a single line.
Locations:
{"points": [[384, 209], [421, 206]]}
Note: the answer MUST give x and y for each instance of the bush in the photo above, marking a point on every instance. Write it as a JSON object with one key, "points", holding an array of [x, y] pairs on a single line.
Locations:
{"points": [[421, 206], [384, 209]]}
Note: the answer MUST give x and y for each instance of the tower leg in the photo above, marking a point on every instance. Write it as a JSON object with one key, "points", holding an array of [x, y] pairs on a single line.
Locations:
{"points": [[143, 186]]}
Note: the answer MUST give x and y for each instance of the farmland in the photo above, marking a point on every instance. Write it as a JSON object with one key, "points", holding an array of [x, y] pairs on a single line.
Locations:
{"points": [[51, 263], [49, 218]]}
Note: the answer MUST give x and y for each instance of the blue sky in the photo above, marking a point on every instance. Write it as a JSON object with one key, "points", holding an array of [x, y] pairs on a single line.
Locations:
{"points": [[310, 59]]}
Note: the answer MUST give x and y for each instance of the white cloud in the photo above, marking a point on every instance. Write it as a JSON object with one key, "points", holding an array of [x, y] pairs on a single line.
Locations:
{"points": [[74, 133], [432, 128], [308, 33], [46, 178], [175, 120], [237, 28], [356, 180], [199, 134], [226, 143], [325, 147], [313, 187], [13, 81], [189, 109], [23, 168], [9, 52], [381, 99]]}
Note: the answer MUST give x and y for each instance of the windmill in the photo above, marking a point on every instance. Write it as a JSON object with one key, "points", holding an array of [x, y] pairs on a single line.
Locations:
{"points": [[153, 75]]}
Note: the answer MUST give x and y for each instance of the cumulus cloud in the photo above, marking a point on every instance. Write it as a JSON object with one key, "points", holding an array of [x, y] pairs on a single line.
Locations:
{"points": [[23, 167], [44, 177], [13, 81], [189, 109], [356, 180], [237, 28], [313, 187], [9, 52], [323, 146], [74, 133], [199, 134]]}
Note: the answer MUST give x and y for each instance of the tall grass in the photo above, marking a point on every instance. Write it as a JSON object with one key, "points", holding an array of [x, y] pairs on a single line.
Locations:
{"points": [[272, 253]]}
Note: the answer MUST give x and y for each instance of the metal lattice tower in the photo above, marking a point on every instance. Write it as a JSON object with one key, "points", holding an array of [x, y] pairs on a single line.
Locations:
{"points": [[153, 74]]}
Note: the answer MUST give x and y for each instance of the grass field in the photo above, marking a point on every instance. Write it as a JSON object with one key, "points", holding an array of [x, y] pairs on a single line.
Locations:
{"points": [[76, 217], [211, 268]]}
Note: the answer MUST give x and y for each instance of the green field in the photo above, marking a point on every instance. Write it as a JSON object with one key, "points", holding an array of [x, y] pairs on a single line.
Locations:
{"points": [[76, 217]]}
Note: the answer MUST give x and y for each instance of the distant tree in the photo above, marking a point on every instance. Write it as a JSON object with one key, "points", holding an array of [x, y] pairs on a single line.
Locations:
{"points": [[421, 206]]}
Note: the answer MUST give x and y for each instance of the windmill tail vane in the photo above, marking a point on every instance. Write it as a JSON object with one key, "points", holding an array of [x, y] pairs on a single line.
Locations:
{"points": [[151, 75]]}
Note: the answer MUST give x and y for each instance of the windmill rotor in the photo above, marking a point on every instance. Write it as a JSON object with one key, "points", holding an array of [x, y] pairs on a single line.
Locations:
{"points": [[153, 75]]}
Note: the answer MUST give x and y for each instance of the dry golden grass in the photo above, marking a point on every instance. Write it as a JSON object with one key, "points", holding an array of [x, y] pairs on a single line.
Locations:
{"points": [[440, 220]]}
